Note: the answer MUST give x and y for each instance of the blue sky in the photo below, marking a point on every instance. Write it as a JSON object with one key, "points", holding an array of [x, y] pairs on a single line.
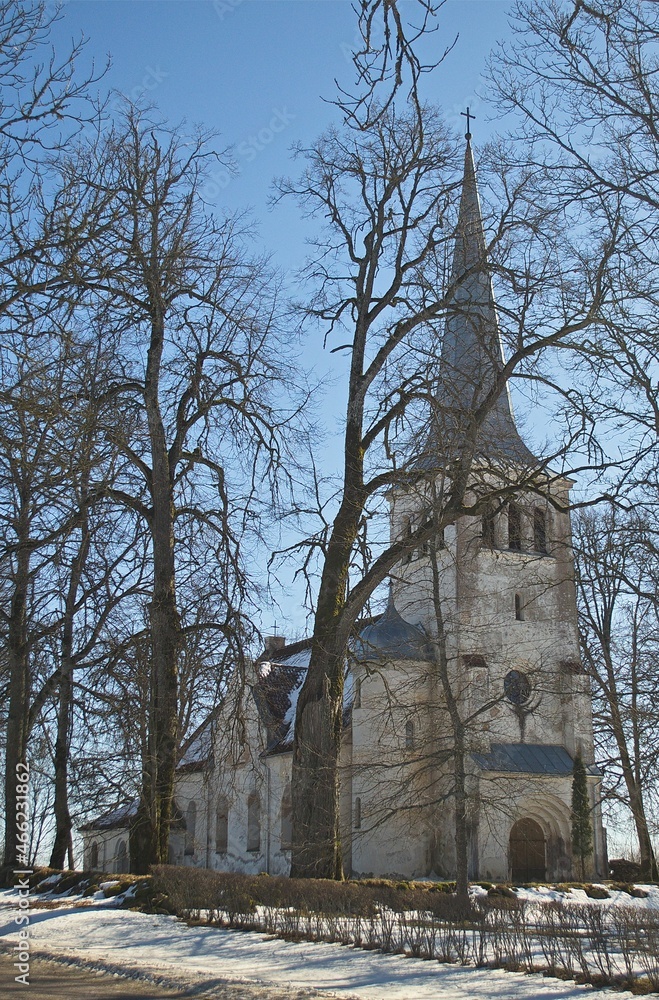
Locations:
{"points": [[256, 73], [239, 67]]}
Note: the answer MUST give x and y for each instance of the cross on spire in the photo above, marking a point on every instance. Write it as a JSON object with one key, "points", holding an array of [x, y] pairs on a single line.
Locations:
{"points": [[468, 115]]}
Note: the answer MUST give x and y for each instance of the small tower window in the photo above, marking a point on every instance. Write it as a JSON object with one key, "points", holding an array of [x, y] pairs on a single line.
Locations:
{"points": [[409, 735], [93, 856], [407, 558], [474, 660], [357, 701], [488, 526], [424, 520], [539, 530], [514, 527], [519, 608], [357, 814], [440, 543]]}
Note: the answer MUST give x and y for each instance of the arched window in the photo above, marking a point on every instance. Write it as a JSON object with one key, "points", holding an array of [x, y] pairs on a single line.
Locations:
{"points": [[286, 818], [474, 660], [409, 735], [519, 608], [357, 701], [254, 822], [539, 530], [190, 827], [514, 527], [93, 856], [424, 548], [517, 687], [488, 527], [407, 558], [122, 857], [357, 814], [222, 825]]}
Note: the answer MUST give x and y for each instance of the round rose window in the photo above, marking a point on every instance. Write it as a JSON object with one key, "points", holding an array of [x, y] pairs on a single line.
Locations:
{"points": [[517, 687]]}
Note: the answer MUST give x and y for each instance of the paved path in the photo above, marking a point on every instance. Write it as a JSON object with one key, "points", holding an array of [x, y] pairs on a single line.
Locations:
{"points": [[51, 980]]}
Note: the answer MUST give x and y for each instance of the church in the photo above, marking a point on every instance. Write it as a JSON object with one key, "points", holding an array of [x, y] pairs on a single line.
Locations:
{"points": [[496, 596]]}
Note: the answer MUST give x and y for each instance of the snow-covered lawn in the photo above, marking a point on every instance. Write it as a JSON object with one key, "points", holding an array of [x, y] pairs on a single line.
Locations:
{"points": [[96, 931]]}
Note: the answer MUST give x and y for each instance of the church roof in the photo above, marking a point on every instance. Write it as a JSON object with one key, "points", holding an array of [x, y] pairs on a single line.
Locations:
{"points": [[275, 694], [115, 819], [280, 678], [528, 758], [121, 817], [390, 637], [472, 354], [197, 751]]}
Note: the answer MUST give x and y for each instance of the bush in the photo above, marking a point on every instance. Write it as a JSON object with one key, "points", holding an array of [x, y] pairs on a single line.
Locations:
{"points": [[616, 946], [623, 870], [502, 891], [597, 892]]}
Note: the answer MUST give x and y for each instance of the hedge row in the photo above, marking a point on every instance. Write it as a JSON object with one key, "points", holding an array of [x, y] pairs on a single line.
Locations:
{"points": [[616, 945]]}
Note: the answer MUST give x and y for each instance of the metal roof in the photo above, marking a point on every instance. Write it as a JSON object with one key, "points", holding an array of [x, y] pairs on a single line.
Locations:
{"points": [[121, 818], [391, 638], [529, 758]]}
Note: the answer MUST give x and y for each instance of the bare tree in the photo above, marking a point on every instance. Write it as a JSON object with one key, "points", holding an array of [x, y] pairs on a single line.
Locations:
{"points": [[38, 514], [98, 568], [46, 101], [618, 615], [581, 80], [385, 184], [191, 401], [387, 60]]}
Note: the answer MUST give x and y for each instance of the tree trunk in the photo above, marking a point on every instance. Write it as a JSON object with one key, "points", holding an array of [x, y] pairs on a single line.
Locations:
{"points": [[649, 868], [637, 806], [62, 842], [458, 739], [316, 844], [19, 690], [150, 836], [316, 849], [165, 637], [61, 803], [16, 748], [634, 791]]}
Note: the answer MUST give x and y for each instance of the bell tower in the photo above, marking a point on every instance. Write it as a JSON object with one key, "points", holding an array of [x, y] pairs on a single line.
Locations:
{"points": [[506, 581]]}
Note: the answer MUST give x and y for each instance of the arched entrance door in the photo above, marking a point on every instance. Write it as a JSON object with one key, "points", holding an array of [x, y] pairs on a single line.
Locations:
{"points": [[527, 852]]}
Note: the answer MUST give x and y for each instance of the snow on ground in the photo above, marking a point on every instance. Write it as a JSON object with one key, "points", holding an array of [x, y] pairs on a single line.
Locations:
{"points": [[617, 897], [97, 932]]}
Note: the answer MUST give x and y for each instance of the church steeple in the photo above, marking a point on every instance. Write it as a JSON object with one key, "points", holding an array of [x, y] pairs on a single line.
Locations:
{"points": [[471, 355]]}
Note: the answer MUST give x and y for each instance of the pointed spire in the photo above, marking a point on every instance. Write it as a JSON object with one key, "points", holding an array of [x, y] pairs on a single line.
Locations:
{"points": [[472, 354], [469, 249]]}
